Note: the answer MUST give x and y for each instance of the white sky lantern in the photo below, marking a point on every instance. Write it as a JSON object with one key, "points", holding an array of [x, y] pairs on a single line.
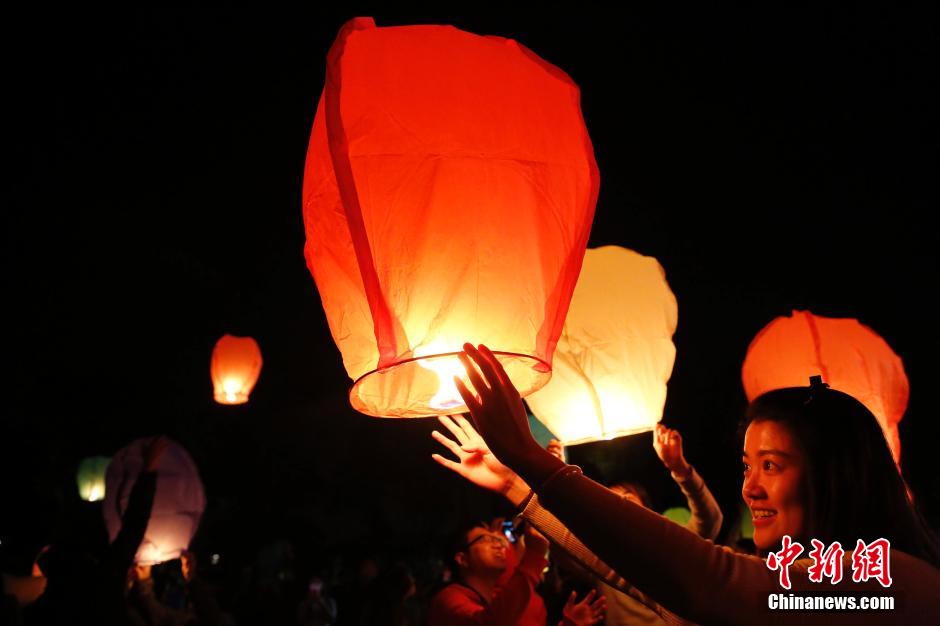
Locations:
{"points": [[178, 504], [615, 354]]}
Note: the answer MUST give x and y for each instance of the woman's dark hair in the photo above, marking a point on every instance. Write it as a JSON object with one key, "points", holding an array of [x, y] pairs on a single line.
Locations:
{"points": [[853, 488]]}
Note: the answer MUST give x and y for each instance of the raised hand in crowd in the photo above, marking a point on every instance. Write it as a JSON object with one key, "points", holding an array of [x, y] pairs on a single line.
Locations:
{"points": [[500, 417], [476, 462], [668, 445], [587, 612]]}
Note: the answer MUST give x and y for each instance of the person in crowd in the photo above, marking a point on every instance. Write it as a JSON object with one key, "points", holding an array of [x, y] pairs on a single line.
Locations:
{"points": [[317, 608], [83, 587], [535, 612], [185, 599], [816, 466], [351, 595], [477, 598], [389, 601], [705, 521]]}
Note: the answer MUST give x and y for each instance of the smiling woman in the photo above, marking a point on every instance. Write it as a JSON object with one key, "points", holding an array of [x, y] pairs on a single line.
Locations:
{"points": [[774, 471], [816, 467]]}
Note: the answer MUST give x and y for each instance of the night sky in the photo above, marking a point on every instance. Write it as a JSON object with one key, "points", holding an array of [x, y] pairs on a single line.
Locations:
{"points": [[769, 160]]}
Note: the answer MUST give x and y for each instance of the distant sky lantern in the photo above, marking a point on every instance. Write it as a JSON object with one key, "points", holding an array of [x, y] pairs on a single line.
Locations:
{"points": [[848, 355], [615, 354], [90, 478], [177, 507], [236, 364], [449, 190]]}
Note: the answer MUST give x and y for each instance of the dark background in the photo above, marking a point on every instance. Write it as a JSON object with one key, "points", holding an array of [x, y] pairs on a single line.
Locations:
{"points": [[770, 159]]}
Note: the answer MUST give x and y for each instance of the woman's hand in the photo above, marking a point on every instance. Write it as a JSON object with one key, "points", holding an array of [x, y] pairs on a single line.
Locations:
{"points": [[500, 417], [668, 446], [476, 463], [585, 612]]}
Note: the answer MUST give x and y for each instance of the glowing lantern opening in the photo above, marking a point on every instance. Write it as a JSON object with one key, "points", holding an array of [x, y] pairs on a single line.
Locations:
{"points": [[446, 368], [177, 507], [848, 355], [90, 478], [449, 190], [236, 364], [615, 355]]}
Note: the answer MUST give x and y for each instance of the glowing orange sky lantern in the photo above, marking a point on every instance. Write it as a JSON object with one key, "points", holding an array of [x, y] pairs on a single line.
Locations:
{"points": [[848, 355], [615, 354], [236, 364], [449, 190]]}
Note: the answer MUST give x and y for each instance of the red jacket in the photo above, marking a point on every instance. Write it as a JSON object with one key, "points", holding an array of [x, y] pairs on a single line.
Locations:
{"points": [[514, 601]]}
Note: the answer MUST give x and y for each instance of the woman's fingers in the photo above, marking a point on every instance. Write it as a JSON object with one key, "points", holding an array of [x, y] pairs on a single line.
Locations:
{"points": [[473, 437], [451, 465], [455, 430], [468, 398], [449, 444], [496, 365], [486, 366], [475, 379]]}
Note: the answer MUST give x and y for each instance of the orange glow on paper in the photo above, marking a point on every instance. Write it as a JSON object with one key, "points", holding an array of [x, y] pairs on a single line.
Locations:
{"points": [[236, 364], [615, 355], [449, 190], [849, 356], [25, 589]]}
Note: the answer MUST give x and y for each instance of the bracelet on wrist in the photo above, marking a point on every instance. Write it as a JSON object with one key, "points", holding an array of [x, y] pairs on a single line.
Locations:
{"points": [[560, 474]]}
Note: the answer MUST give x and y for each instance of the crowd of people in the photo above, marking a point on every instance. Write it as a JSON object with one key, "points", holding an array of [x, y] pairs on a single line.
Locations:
{"points": [[817, 473]]}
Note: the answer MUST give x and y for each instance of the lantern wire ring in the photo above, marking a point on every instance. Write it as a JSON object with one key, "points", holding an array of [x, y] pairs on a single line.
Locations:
{"points": [[540, 366], [379, 370]]}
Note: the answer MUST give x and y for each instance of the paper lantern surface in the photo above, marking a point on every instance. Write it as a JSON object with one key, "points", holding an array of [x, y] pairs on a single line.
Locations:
{"points": [[235, 367], [849, 356], [178, 504], [90, 478], [615, 354], [449, 190]]}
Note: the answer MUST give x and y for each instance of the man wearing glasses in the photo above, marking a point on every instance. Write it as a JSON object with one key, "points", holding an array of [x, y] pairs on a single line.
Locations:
{"points": [[476, 598], [483, 596]]}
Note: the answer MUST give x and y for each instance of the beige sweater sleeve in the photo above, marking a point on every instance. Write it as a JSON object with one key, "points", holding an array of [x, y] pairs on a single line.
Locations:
{"points": [[706, 516], [561, 537]]}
